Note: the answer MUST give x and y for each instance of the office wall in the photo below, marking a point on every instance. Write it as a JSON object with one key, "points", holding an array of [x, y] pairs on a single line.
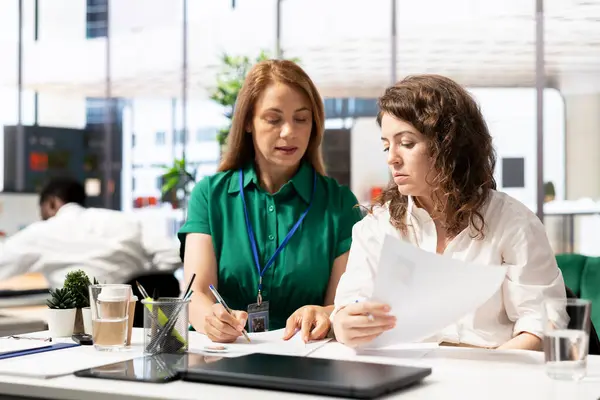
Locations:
{"points": [[369, 168], [583, 145], [511, 118], [61, 19], [583, 163]]}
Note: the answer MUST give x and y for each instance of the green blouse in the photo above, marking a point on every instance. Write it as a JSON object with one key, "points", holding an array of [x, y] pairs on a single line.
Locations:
{"points": [[300, 274]]}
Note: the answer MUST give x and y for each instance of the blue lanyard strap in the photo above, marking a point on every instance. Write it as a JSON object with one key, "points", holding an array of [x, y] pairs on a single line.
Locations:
{"points": [[285, 241]]}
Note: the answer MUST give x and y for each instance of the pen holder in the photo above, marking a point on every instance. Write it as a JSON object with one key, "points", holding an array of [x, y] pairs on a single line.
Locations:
{"points": [[166, 325]]}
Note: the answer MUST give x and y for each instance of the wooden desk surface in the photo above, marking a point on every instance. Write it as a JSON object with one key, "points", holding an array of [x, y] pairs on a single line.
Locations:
{"points": [[25, 282]]}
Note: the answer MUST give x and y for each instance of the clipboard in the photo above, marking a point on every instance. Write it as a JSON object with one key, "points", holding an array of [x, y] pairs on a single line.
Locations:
{"points": [[19, 353]]}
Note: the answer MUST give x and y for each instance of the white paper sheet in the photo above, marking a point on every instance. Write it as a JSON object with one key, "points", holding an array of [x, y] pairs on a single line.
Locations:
{"points": [[265, 342], [62, 362], [428, 292], [10, 345]]}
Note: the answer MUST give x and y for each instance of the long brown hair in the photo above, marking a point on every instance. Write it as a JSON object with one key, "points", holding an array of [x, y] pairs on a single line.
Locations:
{"points": [[240, 149], [460, 145]]}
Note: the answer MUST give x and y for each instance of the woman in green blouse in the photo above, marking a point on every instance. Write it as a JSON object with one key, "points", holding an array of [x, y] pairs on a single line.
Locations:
{"points": [[269, 231]]}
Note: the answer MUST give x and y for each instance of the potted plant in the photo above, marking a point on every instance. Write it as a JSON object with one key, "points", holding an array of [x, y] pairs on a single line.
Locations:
{"points": [[77, 283], [61, 313], [176, 183], [549, 192], [86, 313], [229, 83]]}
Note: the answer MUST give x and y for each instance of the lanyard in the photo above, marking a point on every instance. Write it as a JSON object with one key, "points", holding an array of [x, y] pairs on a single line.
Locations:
{"points": [[287, 238]]}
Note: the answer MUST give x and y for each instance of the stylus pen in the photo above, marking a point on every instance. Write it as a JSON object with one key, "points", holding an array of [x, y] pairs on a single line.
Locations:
{"points": [[220, 300]]}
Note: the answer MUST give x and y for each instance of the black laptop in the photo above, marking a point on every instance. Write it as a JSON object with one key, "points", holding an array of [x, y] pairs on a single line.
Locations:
{"points": [[307, 375]]}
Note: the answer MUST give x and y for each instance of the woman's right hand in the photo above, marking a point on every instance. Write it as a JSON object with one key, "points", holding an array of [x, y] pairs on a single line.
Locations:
{"points": [[360, 323], [222, 327]]}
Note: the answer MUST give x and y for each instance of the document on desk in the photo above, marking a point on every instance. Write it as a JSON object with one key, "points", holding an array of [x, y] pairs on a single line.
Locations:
{"points": [[428, 292], [264, 342], [62, 362], [11, 345]]}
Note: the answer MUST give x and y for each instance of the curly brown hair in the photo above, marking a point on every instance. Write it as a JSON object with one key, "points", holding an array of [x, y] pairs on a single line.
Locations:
{"points": [[460, 145]]}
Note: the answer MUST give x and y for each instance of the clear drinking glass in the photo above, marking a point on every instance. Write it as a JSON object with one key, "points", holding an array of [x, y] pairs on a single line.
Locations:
{"points": [[566, 338], [110, 311]]}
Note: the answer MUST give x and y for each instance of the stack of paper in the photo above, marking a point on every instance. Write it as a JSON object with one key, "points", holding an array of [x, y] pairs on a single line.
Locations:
{"points": [[428, 292], [265, 342]]}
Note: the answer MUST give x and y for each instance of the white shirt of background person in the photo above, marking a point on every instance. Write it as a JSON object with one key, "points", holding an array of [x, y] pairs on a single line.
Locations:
{"points": [[108, 245]]}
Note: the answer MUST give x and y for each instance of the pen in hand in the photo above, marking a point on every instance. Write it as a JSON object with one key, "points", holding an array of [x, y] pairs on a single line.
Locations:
{"points": [[222, 302]]}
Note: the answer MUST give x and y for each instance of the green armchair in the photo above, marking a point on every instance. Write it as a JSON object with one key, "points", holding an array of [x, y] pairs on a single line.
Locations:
{"points": [[582, 276]]}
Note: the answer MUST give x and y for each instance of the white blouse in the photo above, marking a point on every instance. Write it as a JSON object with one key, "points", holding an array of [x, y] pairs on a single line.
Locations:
{"points": [[514, 237]]}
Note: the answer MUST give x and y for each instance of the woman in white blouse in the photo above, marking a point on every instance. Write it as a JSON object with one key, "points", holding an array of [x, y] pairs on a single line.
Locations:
{"points": [[443, 199]]}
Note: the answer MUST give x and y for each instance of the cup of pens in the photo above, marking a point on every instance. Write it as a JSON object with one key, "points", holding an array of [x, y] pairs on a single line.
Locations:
{"points": [[166, 322]]}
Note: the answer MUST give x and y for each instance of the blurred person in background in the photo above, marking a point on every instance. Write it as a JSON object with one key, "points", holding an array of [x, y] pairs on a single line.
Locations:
{"points": [[443, 199], [270, 231], [108, 245]]}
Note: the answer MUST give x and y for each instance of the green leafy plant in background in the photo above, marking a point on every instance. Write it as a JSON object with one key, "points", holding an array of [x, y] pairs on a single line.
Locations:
{"points": [[60, 299], [77, 283], [229, 83], [177, 177], [549, 191]]}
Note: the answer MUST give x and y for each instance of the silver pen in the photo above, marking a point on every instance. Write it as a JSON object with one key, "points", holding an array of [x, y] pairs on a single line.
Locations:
{"points": [[222, 302]]}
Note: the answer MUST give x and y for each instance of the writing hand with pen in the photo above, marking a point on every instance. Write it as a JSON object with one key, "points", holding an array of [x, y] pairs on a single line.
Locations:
{"points": [[223, 324], [224, 327], [311, 322]]}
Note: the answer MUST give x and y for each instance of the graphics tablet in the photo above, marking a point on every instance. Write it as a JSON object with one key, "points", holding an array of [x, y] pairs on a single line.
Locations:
{"points": [[307, 375]]}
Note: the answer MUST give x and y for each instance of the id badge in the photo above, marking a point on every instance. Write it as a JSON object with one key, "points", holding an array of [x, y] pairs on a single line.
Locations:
{"points": [[258, 317]]}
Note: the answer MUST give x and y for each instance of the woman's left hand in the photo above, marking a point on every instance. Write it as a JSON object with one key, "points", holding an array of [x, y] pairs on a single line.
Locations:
{"points": [[312, 322]]}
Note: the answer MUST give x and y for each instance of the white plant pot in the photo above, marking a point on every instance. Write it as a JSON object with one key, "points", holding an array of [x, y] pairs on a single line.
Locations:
{"points": [[61, 322], [86, 312]]}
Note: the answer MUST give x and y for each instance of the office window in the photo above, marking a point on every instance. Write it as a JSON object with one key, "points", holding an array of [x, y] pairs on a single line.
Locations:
{"points": [[96, 111], [350, 107], [206, 135], [334, 108], [180, 136], [96, 18], [160, 138], [364, 108]]}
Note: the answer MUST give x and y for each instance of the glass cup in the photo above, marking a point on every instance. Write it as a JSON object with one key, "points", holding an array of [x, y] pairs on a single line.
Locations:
{"points": [[566, 338], [110, 313]]}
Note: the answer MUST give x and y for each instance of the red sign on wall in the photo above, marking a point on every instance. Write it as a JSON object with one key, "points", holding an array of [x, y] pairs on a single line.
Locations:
{"points": [[38, 161]]}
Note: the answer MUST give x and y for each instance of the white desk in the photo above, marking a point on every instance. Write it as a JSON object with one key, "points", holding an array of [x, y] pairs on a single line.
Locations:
{"points": [[458, 373]]}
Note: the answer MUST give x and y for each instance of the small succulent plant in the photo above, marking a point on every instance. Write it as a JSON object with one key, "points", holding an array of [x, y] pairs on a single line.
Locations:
{"points": [[61, 299]]}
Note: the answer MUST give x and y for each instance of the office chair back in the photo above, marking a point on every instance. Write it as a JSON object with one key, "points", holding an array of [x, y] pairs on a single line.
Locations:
{"points": [[165, 283], [594, 345]]}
